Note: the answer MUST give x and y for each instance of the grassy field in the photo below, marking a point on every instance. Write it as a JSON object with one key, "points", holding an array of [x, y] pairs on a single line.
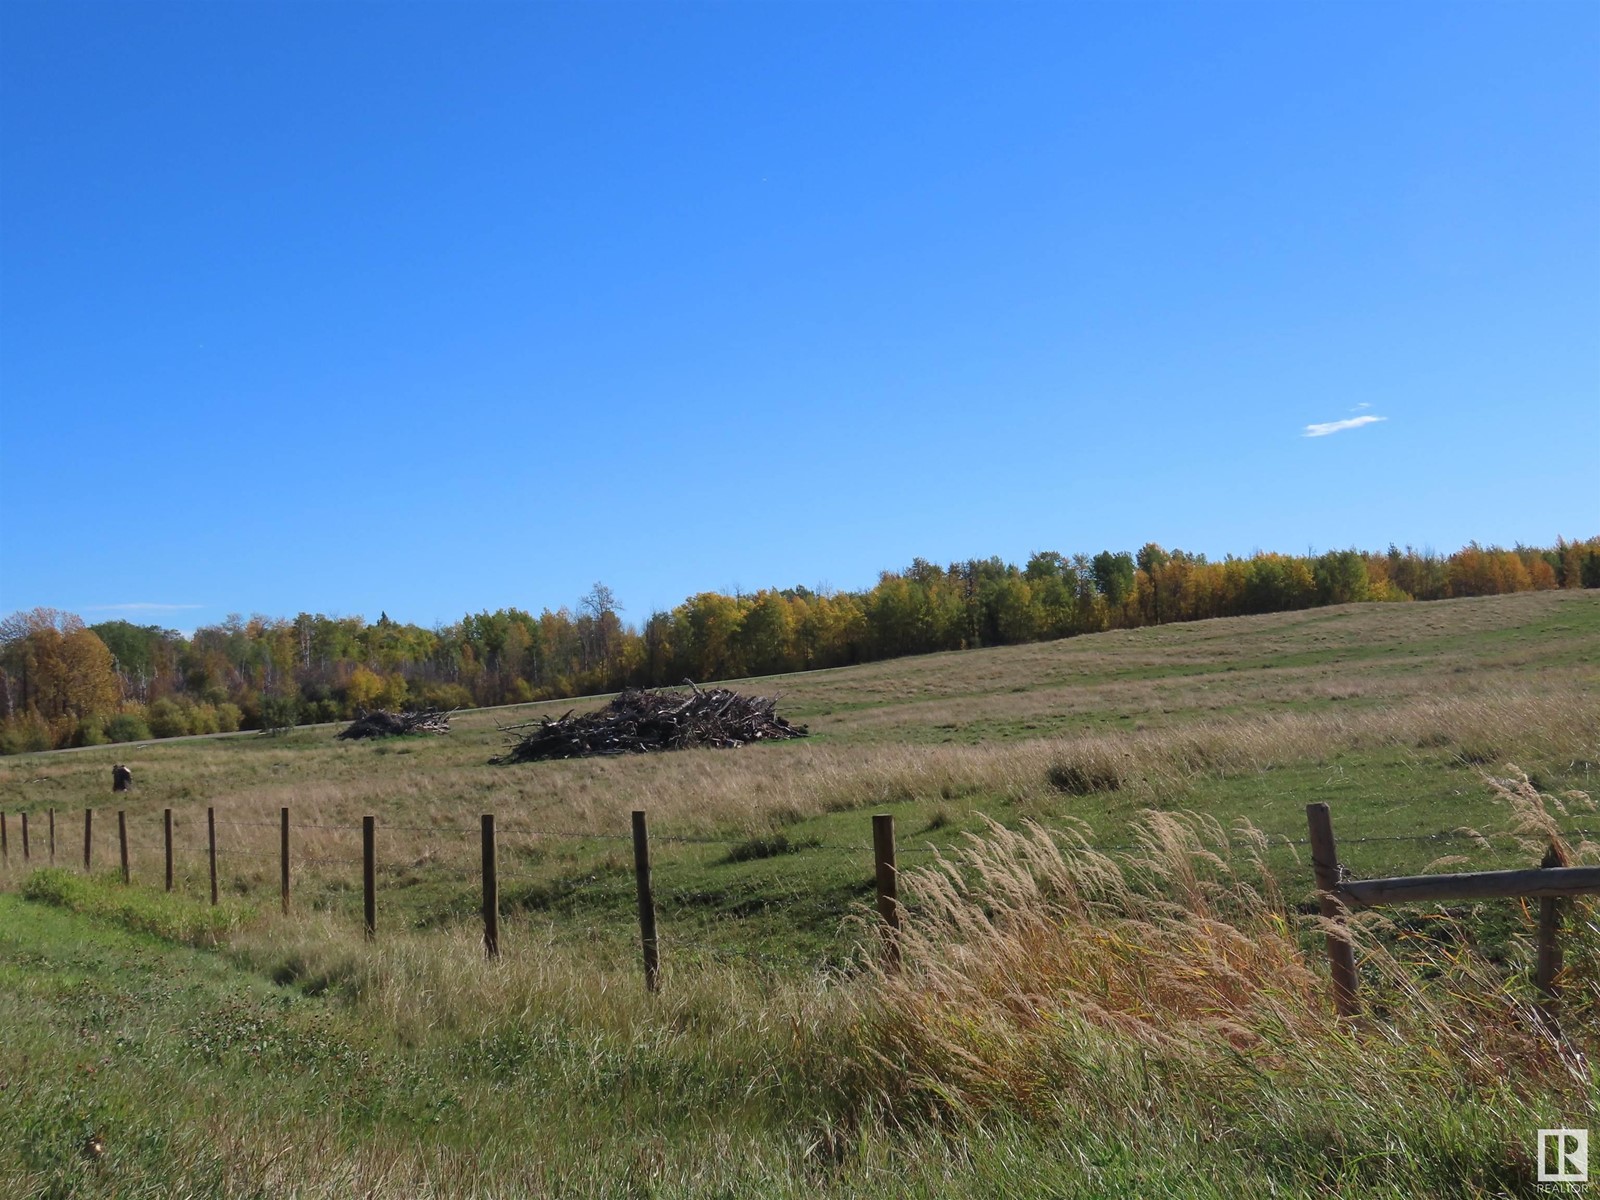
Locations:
{"points": [[1111, 983]]}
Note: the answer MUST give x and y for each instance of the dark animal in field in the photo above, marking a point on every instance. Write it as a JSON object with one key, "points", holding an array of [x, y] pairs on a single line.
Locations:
{"points": [[121, 778]]}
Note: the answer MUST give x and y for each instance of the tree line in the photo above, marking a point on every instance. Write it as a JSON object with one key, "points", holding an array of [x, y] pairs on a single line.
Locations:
{"points": [[65, 683]]}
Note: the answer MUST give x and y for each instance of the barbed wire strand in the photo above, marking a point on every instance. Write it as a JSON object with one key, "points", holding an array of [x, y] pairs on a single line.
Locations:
{"points": [[802, 846]]}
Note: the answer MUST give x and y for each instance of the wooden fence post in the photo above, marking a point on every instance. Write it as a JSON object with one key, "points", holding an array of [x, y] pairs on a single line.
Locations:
{"points": [[647, 904], [888, 888], [1325, 865], [122, 841], [88, 837], [25, 853], [1549, 964], [1549, 960], [211, 845], [166, 821], [283, 846], [491, 891], [52, 837], [369, 873], [5, 841]]}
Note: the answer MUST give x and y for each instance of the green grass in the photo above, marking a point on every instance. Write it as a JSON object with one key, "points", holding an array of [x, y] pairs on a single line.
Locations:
{"points": [[232, 1051], [198, 1078], [176, 918]]}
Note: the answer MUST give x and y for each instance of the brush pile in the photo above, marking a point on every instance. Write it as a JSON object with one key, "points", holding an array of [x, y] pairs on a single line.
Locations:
{"points": [[392, 724], [639, 721]]}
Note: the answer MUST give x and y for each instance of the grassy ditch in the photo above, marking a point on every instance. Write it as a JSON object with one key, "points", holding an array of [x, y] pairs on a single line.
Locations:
{"points": [[1075, 1022]]}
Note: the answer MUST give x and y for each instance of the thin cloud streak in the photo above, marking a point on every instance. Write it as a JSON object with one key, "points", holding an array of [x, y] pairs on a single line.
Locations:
{"points": [[140, 606], [1326, 427]]}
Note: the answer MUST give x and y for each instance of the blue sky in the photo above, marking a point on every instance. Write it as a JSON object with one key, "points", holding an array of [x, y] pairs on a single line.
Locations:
{"points": [[432, 308]]}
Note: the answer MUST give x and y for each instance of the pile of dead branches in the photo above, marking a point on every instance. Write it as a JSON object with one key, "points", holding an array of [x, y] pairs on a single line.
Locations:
{"points": [[637, 722], [393, 724]]}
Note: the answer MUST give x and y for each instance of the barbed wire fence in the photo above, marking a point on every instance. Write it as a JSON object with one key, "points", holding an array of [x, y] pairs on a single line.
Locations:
{"points": [[240, 857]]}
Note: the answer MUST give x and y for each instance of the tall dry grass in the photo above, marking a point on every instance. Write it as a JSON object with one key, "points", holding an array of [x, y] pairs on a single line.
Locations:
{"points": [[752, 791], [1035, 969], [1042, 976]]}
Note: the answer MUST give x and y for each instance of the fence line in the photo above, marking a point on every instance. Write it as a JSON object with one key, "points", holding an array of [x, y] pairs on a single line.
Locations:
{"points": [[801, 845], [1455, 835], [1337, 890], [650, 939]]}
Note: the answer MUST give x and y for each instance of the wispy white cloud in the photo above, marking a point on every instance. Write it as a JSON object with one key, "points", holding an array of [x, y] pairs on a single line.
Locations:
{"points": [[140, 606], [1326, 427]]}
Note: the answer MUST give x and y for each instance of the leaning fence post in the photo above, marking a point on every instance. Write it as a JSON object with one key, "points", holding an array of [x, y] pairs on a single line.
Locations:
{"points": [[122, 841], [369, 873], [211, 844], [888, 887], [647, 904], [88, 836], [283, 846], [491, 891], [25, 855], [166, 821], [5, 842], [1325, 865]]}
